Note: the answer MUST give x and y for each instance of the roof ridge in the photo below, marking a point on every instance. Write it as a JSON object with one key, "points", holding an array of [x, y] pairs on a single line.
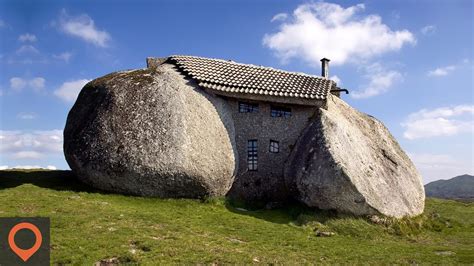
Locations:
{"points": [[252, 65]]}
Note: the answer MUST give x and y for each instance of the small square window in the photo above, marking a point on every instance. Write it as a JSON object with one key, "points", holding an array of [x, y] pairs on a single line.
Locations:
{"points": [[280, 112], [248, 107], [274, 146]]}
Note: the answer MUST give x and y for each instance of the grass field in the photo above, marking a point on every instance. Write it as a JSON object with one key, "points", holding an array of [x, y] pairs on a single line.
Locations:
{"points": [[89, 226]]}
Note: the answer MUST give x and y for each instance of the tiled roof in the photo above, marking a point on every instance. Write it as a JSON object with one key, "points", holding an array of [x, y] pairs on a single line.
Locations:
{"points": [[228, 76]]}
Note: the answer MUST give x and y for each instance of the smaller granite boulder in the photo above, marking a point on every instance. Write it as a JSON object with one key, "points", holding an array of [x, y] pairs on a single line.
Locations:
{"points": [[348, 161]]}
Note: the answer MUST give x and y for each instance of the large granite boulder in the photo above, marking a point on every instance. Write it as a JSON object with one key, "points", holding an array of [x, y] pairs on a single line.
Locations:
{"points": [[348, 161], [151, 132]]}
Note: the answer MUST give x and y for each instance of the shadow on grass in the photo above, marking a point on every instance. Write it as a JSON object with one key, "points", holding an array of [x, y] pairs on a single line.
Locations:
{"points": [[284, 213], [57, 180], [61, 180]]}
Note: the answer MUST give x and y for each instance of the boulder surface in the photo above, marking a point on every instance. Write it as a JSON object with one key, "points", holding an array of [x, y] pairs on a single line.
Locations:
{"points": [[141, 132], [348, 161]]}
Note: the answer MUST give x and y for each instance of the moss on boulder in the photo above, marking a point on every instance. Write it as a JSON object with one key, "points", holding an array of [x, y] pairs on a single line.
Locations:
{"points": [[348, 161], [151, 132]]}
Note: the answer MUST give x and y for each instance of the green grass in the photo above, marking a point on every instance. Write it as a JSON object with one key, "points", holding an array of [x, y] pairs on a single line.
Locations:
{"points": [[88, 226]]}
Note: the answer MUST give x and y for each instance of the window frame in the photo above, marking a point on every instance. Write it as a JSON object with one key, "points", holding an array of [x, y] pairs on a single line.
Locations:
{"points": [[274, 146], [252, 155], [248, 107], [280, 111]]}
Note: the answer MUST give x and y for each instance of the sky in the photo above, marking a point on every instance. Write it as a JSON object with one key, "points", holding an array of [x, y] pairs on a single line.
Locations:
{"points": [[408, 63]]}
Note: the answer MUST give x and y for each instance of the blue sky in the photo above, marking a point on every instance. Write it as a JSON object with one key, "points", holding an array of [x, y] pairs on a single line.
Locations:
{"points": [[408, 63]]}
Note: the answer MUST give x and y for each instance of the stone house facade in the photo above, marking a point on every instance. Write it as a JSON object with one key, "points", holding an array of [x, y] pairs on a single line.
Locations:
{"points": [[272, 136], [270, 108]]}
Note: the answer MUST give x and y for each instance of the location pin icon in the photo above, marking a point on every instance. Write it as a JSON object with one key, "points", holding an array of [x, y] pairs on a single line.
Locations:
{"points": [[25, 254]]}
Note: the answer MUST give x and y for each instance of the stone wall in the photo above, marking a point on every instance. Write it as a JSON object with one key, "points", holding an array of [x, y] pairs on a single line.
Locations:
{"points": [[267, 183]]}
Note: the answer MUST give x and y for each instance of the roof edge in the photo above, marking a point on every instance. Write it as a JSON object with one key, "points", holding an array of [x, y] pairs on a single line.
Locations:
{"points": [[267, 98], [249, 65]]}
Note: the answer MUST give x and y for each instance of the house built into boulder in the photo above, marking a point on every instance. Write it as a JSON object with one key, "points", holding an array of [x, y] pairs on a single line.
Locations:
{"points": [[269, 107], [191, 127]]}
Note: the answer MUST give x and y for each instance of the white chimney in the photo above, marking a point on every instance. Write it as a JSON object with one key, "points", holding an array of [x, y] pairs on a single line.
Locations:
{"points": [[325, 68]]}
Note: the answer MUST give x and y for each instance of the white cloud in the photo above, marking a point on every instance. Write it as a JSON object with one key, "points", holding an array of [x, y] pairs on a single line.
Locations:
{"points": [[27, 61], [17, 84], [49, 167], [446, 70], [37, 84], [69, 90], [379, 81], [441, 71], [27, 37], [444, 121], [27, 49], [63, 56], [20, 147], [440, 166], [83, 26], [2, 23], [26, 155], [336, 79], [328, 30], [20, 144], [26, 116], [27, 167], [279, 17], [428, 30]]}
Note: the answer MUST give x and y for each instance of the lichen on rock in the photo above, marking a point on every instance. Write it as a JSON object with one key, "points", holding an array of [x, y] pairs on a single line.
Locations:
{"points": [[150, 132], [348, 161]]}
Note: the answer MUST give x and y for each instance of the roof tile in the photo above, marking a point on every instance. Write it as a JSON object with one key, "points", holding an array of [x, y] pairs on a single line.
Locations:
{"points": [[228, 76]]}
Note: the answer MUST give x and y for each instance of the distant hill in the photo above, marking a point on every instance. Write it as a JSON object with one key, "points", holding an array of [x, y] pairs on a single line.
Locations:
{"points": [[459, 187]]}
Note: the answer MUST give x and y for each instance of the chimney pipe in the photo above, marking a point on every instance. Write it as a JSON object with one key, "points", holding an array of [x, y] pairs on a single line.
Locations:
{"points": [[325, 68]]}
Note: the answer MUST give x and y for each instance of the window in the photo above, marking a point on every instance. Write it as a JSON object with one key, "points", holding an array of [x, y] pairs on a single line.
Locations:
{"points": [[248, 107], [280, 112], [274, 146], [252, 155]]}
